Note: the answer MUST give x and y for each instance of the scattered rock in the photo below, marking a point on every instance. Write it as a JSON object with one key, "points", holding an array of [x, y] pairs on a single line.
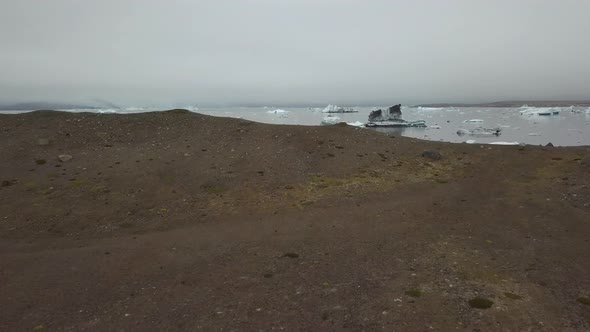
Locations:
{"points": [[434, 155], [289, 187], [40, 161], [480, 303], [64, 157], [8, 183], [291, 255], [43, 141]]}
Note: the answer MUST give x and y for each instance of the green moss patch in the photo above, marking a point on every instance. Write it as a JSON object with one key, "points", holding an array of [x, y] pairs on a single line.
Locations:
{"points": [[583, 300], [414, 292]]}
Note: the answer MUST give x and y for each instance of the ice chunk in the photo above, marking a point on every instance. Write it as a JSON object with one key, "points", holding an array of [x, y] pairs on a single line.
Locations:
{"points": [[470, 141], [504, 143], [392, 117], [330, 120], [393, 113], [473, 121], [480, 132], [356, 124], [544, 111], [397, 123], [277, 111], [338, 109], [420, 108]]}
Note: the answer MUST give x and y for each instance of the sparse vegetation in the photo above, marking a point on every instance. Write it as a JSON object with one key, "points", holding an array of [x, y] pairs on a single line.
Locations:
{"points": [[414, 292]]}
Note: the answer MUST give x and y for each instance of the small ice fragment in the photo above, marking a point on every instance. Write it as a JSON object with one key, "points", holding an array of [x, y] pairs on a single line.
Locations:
{"points": [[277, 111], [504, 143], [356, 124], [473, 121], [470, 141], [330, 120], [534, 134]]}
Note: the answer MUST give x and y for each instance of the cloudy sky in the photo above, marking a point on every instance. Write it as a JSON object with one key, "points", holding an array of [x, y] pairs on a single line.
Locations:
{"points": [[142, 52]]}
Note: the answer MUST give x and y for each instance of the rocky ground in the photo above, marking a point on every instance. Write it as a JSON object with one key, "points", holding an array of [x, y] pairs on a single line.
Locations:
{"points": [[179, 221]]}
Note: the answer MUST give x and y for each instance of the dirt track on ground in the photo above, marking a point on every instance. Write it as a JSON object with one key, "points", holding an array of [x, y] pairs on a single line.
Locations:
{"points": [[179, 221]]}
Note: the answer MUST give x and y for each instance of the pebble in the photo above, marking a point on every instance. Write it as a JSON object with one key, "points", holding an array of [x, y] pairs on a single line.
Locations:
{"points": [[64, 157]]}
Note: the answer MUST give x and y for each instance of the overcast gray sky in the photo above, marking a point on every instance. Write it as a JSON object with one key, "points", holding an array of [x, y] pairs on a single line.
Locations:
{"points": [[293, 51]]}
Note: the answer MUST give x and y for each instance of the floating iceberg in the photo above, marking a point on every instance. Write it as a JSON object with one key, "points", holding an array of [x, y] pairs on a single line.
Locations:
{"points": [[473, 121], [338, 109], [544, 111], [277, 111], [420, 108], [480, 132], [392, 117], [397, 124], [356, 124]]}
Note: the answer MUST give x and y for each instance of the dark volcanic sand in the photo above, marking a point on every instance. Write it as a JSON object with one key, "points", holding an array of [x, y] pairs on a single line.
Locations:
{"points": [[179, 221]]}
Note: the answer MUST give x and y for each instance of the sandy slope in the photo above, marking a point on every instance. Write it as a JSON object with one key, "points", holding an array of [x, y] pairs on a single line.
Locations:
{"points": [[178, 221]]}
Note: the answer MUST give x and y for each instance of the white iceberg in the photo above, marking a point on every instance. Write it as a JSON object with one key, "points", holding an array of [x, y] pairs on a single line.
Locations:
{"points": [[544, 111], [338, 109]]}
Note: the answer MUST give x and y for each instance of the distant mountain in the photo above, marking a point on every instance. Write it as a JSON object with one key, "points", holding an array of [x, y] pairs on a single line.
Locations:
{"points": [[516, 103], [41, 106]]}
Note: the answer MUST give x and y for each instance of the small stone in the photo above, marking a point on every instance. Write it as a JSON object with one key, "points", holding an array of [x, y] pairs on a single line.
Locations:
{"points": [[434, 155], [43, 141], [291, 255], [64, 157], [7, 183]]}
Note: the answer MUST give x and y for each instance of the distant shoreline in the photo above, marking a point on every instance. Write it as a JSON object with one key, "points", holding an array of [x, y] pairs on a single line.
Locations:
{"points": [[547, 103]]}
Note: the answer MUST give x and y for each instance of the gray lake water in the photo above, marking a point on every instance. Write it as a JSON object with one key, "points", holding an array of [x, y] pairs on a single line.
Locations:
{"points": [[570, 128]]}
